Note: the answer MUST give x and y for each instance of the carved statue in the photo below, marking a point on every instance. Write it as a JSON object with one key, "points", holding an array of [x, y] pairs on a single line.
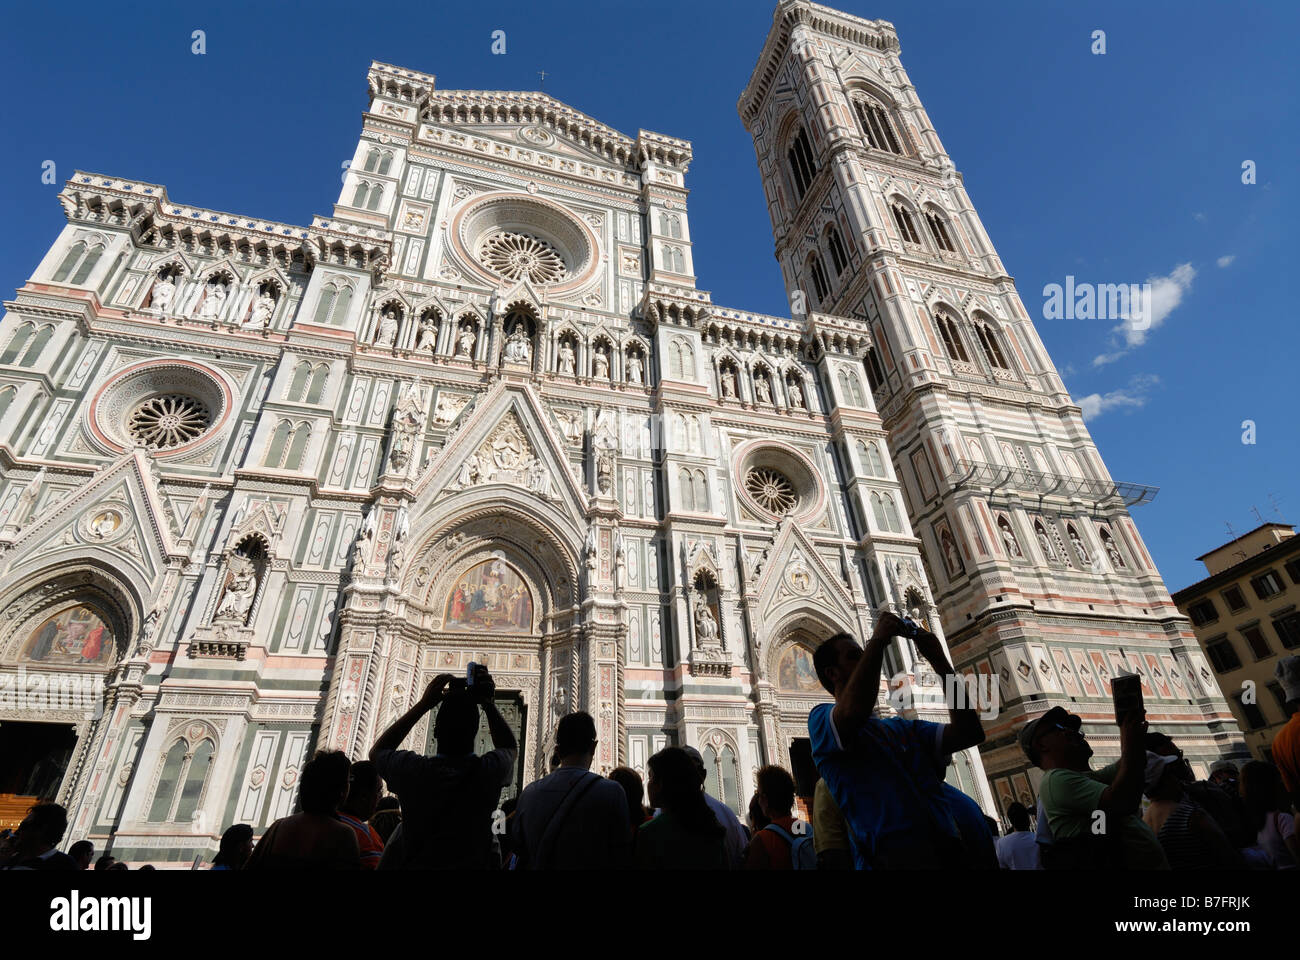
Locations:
{"points": [[144, 646], [539, 478], [386, 335], [590, 551], [397, 551], [567, 360], [706, 625], [600, 364], [620, 564], [1044, 545], [1080, 549], [465, 343], [518, 349], [634, 369], [366, 532], [210, 309], [164, 291], [469, 471], [407, 420], [263, 307], [796, 395], [241, 588], [1113, 552], [762, 389], [951, 555], [426, 335], [605, 471], [1009, 538], [448, 407], [728, 383]]}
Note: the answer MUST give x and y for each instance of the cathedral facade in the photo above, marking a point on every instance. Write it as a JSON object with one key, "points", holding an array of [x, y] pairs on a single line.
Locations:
{"points": [[262, 482]]}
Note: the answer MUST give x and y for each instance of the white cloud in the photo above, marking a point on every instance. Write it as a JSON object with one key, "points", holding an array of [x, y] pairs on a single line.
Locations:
{"points": [[1131, 397], [1198, 217], [1166, 293], [1224, 261]]}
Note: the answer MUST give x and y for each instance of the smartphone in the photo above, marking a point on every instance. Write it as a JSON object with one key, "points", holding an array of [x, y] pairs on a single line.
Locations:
{"points": [[910, 628], [1126, 690], [469, 673]]}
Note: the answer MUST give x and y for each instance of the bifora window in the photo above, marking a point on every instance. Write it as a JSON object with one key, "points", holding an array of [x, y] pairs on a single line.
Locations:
{"points": [[771, 490], [517, 256], [168, 420]]}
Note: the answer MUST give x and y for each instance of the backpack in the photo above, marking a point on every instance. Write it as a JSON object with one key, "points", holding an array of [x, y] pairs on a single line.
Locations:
{"points": [[803, 855]]}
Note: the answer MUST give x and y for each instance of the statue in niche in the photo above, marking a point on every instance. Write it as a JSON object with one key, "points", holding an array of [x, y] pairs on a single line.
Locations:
{"points": [[426, 335], [386, 335], [518, 349], [706, 625], [1079, 548], [635, 369], [728, 383], [567, 359], [465, 342], [144, 646], [620, 564], [762, 389], [605, 471], [1113, 552], [407, 420], [397, 551], [241, 588], [796, 395], [590, 552], [539, 478], [210, 309], [951, 555], [263, 307], [1009, 539], [164, 291], [364, 534], [600, 364], [1044, 545]]}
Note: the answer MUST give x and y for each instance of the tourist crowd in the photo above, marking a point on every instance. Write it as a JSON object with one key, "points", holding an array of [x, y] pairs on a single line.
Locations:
{"points": [[874, 792]]}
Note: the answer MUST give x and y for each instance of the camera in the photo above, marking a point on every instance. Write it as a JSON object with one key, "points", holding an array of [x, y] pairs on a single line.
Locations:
{"points": [[911, 629]]}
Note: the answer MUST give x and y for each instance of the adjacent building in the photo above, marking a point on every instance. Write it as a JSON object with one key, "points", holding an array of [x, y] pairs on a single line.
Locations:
{"points": [[1246, 615]]}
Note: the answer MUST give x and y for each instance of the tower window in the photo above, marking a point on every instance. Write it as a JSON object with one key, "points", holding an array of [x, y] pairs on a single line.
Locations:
{"points": [[839, 259], [802, 166], [952, 340], [876, 125], [939, 230], [992, 350], [821, 285], [875, 376], [906, 228]]}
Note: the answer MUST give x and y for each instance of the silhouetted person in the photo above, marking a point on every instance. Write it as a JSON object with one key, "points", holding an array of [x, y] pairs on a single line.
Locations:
{"points": [[105, 862], [1072, 794], [737, 839], [363, 797], [387, 815], [1190, 837], [685, 835], [448, 800], [83, 851], [886, 775], [634, 789], [314, 839], [1018, 850], [757, 818], [1220, 801], [572, 819], [784, 843], [830, 832], [1276, 846], [33, 846], [235, 849], [1285, 748]]}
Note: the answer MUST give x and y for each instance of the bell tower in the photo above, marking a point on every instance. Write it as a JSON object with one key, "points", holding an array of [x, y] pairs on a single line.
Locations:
{"points": [[1038, 570]]}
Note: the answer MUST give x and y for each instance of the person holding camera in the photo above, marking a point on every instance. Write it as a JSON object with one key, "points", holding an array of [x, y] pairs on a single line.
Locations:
{"points": [[886, 774], [448, 800]]}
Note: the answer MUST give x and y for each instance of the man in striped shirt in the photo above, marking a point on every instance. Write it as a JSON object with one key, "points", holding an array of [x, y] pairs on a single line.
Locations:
{"points": [[363, 798]]}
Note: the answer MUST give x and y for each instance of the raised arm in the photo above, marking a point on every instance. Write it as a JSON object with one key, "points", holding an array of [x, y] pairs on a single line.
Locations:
{"points": [[964, 728], [485, 688], [401, 728], [1124, 794], [863, 687]]}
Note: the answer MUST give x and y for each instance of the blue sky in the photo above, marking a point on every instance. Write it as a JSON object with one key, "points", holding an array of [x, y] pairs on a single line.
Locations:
{"points": [[1114, 169]]}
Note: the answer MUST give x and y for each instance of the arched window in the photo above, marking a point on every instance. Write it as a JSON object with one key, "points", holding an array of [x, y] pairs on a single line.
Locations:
{"points": [[906, 228], [372, 161], [316, 388], [298, 447], [989, 341], [875, 376], [876, 124], [6, 400], [821, 285], [386, 163], [376, 195], [894, 525], [17, 342], [872, 462], [681, 360], [687, 484], [341, 306], [839, 258], [701, 485], [180, 785], [674, 259], [802, 166], [87, 264], [328, 294], [275, 449], [298, 385], [878, 511], [38, 345], [939, 230], [74, 255], [952, 340], [359, 198], [721, 781]]}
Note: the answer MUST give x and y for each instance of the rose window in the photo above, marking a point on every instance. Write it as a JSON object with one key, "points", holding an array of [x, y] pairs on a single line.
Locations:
{"points": [[771, 490], [517, 256], [169, 420]]}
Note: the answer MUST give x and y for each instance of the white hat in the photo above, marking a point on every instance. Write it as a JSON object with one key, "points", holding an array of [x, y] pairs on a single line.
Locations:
{"points": [[1287, 673], [1156, 764]]}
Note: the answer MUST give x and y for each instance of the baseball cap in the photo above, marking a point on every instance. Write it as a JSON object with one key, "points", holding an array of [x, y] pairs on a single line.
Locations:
{"points": [[1057, 716]]}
